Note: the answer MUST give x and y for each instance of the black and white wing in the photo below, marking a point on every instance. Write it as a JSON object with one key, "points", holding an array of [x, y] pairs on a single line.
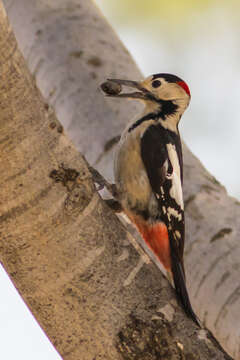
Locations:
{"points": [[162, 157]]}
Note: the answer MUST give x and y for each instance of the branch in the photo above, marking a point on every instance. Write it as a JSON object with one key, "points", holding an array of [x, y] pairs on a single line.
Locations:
{"points": [[71, 49]]}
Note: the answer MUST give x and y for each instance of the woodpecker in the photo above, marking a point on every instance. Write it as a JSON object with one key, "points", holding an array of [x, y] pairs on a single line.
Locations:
{"points": [[148, 171]]}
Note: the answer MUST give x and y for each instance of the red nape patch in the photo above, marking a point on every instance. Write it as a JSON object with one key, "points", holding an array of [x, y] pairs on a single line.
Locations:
{"points": [[156, 237], [184, 86]]}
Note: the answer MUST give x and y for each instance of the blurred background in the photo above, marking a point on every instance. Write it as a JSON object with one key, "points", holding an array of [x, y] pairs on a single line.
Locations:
{"points": [[198, 41]]}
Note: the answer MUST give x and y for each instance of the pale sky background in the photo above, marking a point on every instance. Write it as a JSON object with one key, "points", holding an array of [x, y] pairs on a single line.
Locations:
{"points": [[198, 41]]}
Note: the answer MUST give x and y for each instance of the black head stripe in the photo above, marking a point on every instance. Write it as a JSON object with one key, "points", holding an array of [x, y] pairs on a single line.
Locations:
{"points": [[150, 116], [168, 77], [167, 108]]}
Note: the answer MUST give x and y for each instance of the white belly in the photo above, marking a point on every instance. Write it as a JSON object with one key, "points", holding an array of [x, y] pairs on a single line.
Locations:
{"points": [[130, 175]]}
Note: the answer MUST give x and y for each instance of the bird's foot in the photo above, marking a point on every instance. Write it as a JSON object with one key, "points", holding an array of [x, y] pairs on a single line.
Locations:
{"points": [[99, 179], [114, 205]]}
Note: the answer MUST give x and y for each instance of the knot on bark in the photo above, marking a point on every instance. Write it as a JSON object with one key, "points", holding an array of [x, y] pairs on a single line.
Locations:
{"points": [[66, 176], [79, 187], [140, 340]]}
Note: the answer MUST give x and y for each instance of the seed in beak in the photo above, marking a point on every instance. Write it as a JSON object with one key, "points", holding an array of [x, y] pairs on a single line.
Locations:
{"points": [[111, 88]]}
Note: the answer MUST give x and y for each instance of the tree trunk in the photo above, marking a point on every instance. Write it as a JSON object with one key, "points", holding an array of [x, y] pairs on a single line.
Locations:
{"points": [[70, 48], [68, 255]]}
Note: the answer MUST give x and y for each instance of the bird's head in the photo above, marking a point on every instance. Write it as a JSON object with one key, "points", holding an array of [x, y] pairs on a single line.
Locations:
{"points": [[165, 94]]}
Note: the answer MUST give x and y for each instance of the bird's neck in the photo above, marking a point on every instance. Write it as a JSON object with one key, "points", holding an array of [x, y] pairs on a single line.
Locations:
{"points": [[170, 122], [167, 113]]}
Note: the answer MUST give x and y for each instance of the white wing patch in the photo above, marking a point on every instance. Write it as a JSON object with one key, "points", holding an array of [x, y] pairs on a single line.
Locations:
{"points": [[173, 212], [176, 188]]}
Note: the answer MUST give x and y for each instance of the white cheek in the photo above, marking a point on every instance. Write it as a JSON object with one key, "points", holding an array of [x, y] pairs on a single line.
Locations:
{"points": [[170, 91], [166, 94]]}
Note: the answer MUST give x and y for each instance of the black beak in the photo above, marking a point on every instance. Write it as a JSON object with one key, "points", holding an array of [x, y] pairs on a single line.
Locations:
{"points": [[142, 94]]}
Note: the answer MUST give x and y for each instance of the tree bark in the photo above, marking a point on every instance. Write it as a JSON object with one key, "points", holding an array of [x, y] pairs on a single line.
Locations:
{"points": [[70, 48], [65, 251]]}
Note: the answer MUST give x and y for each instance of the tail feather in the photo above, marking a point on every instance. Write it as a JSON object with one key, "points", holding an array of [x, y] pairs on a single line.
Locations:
{"points": [[181, 290], [156, 237]]}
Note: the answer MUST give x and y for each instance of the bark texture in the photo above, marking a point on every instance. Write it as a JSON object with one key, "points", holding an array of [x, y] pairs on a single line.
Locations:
{"points": [[70, 49], [66, 252], [66, 44]]}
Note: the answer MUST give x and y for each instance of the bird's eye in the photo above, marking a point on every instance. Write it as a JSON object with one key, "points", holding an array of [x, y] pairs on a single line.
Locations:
{"points": [[156, 83]]}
